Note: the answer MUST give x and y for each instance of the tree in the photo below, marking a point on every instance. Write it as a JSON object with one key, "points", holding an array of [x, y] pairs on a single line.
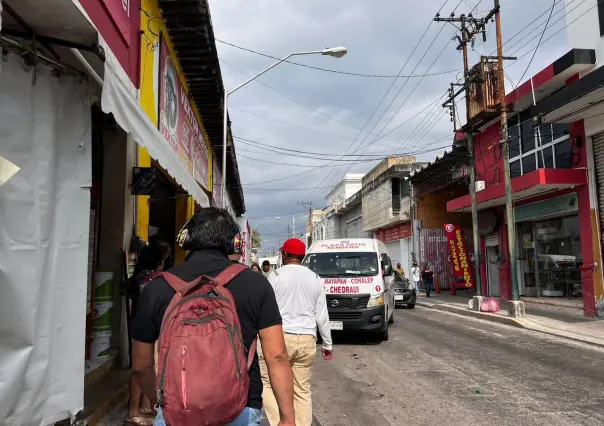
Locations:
{"points": [[256, 238]]}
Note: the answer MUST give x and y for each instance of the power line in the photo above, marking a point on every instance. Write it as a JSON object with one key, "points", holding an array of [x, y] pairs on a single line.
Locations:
{"points": [[538, 43], [331, 70], [291, 98]]}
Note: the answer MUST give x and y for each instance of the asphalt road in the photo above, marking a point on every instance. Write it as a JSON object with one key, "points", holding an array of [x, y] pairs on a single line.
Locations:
{"points": [[445, 369]]}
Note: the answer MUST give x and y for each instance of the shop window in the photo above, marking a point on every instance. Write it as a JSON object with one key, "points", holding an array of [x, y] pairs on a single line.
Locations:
{"points": [[528, 136], [528, 163], [515, 169], [558, 248], [396, 196], [546, 155], [514, 137], [547, 146], [563, 155]]}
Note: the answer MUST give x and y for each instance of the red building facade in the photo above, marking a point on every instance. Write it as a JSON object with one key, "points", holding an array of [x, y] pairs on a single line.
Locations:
{"points": [[555, 227]]}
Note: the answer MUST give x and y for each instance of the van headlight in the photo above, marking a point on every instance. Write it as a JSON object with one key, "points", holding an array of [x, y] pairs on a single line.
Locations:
{"points": [[375, 301], [410, 286]]}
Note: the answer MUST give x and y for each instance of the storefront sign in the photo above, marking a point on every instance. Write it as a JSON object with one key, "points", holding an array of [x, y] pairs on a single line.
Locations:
{"points": [[396, 232], [460, 260], [177, 121], [119, 10], [552, 207]]}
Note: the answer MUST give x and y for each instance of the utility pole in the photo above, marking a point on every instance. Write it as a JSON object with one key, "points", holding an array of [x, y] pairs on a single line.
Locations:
{"points": [[308, 205], [288, 232], [293, 226], [517, 307], [469, 27]]}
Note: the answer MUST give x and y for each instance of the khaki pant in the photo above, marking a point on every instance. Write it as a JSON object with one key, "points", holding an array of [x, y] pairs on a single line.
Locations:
{"points": [[302, 350]]}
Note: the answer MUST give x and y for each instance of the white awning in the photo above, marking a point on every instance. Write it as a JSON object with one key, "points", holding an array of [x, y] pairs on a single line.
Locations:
{"points": [[117, 100]]}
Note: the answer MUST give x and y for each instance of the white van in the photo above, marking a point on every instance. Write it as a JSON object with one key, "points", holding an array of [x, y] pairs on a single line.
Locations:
{"points": [[358, 280]]}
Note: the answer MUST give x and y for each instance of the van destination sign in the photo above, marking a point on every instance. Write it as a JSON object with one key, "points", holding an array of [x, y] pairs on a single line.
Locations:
{"points": [[345, 286]]}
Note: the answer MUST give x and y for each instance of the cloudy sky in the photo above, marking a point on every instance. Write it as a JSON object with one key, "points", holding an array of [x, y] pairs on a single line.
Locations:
{"points": [[319, 114]]}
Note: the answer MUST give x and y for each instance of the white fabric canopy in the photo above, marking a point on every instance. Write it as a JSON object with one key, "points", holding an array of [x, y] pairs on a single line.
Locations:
{"points": [[118, 101], [44, 217]]}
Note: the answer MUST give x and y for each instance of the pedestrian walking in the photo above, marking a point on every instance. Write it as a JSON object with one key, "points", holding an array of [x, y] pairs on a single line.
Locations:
{"points": [[416, 275], [149, 263], [255, 267], [428, 279], [209, 370], [267, 269], [303, 306]]}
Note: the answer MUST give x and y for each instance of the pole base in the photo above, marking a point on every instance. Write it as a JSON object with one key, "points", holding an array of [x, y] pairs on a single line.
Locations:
{"points": [[477, 302], [516, 309]]}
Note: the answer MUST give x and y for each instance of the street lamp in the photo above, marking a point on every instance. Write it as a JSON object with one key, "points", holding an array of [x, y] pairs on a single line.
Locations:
{"points": [[336, 52]]}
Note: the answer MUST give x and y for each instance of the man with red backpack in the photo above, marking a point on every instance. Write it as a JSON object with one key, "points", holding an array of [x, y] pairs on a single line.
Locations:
{"points": [[207, 314]]}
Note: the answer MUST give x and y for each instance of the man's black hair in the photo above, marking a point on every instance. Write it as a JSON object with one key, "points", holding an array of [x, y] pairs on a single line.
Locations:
{"points": [[212, 229], [266, 263]]}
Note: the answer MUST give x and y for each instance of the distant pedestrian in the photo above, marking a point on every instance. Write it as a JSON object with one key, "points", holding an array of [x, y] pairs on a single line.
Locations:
{"points": [[415, 274], [428, 279], [400, 270], [255, 267], [267, 269], [301, 298]]}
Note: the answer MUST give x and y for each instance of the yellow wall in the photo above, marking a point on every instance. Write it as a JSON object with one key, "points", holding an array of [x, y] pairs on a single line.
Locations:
{"points": [[151, 26]]}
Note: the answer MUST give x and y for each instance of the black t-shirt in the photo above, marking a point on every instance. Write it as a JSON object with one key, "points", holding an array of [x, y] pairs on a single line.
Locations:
{"points": [[428, 276], [254, 299]]}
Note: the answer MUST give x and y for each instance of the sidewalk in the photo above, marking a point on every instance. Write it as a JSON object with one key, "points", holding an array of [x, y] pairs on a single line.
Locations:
{"points": [[572, 327]]}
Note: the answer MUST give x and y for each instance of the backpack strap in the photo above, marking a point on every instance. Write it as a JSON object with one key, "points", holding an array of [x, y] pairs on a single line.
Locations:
{"points": [[228, 274], [178, 285]]}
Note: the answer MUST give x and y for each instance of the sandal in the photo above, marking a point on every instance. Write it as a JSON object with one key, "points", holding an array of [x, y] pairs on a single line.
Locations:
{"points": [[138, 421], [148, 411]]}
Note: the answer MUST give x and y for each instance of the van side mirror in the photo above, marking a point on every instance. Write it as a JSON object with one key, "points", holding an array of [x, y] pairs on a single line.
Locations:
{"points": [[387, 270]]}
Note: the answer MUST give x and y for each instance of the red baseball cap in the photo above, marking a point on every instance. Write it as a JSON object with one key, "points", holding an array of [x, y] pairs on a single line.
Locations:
{"points": [[294, 246]]}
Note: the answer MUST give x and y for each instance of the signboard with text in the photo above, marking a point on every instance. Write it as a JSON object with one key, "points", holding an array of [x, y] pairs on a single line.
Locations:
{"points": [[460, 258], [177, 121], [119, 10], [396, 232]]}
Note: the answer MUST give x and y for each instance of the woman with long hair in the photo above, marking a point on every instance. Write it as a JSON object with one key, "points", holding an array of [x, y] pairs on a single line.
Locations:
{"points": [[255, 267], [150, 262]]}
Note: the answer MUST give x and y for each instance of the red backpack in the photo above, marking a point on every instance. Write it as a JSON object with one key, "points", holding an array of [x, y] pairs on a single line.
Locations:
{"points": [[203, 375]]}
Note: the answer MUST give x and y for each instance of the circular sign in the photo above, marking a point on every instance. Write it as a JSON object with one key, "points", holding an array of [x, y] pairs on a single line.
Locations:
{"points": [[334, 303], [449, 228], [378, 288], [487, 222]]}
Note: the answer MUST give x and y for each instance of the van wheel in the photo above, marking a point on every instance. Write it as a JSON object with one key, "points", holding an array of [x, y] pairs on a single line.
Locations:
{"points": [[384, 335]]}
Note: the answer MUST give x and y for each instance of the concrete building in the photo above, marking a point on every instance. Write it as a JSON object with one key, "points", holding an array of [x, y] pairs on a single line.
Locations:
{"points": [[341, 216], [386, 206]]}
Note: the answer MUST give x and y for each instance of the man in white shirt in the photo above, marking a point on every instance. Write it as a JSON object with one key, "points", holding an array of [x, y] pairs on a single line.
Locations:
{"points": [[303, 306], [415, 272]]}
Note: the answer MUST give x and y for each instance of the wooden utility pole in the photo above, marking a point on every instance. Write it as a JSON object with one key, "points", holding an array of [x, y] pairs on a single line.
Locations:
{"points": [[466, 36], [308, 205], [509, 203]]}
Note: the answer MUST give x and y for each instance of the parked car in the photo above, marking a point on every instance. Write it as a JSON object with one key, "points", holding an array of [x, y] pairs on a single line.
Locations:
{"points": [[404, 291]]}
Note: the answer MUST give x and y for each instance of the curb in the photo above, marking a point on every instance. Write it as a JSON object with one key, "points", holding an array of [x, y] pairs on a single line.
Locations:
{"points": [[518, 323]]}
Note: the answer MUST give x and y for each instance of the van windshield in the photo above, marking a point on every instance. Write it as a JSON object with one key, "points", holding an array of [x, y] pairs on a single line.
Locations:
{"points": [[354, 264]]}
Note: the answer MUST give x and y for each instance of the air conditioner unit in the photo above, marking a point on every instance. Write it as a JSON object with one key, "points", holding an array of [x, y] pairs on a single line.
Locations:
{"points": [[480, 185]]}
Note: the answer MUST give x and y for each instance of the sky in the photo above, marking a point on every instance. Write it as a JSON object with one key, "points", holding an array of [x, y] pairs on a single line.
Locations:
{"points": [[316, 117]]}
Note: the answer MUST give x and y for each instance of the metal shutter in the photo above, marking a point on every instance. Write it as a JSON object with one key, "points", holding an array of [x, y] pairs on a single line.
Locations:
{"points": [[598, 147], [491, 240]]}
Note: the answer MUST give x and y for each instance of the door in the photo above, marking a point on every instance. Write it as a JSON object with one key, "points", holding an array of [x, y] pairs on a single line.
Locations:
{"points": [[388, 284], [493, 271]]}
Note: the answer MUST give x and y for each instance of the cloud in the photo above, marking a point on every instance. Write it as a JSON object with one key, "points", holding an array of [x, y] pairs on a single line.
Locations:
{"points": [[380, 37]]}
